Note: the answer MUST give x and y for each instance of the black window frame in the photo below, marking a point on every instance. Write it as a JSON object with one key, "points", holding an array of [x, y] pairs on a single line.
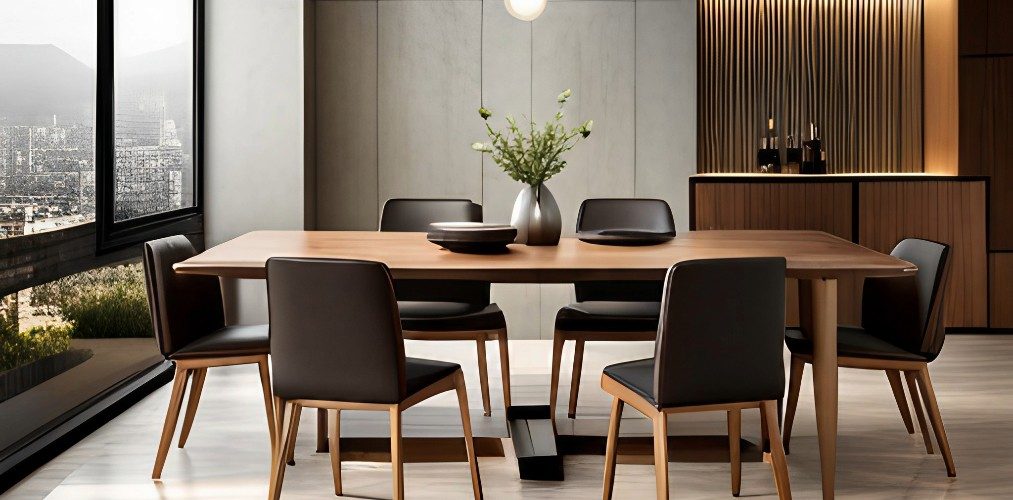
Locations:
{"points": [[34, 259], [112, 234]]}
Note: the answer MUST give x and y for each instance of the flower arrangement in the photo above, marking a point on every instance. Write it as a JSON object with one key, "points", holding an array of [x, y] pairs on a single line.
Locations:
{"points": [[532, 157]]}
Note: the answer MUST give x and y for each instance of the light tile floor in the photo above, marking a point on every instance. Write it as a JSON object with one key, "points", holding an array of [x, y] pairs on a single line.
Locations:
{"points": [[227, 455]]}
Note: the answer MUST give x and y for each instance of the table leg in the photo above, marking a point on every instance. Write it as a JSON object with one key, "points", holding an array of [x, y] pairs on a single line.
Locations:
{"points": [[818, 316]]}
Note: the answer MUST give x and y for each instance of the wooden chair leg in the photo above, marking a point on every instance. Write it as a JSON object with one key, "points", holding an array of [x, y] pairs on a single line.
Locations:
{"points": [[912, 387], [171, 416], [483, 377], [898, 395], [929, 395], [279, 431], [469, 442], [290, 446], [578, 364], [661, 455], [196, 386], [777, 459], [265, 383], [335, 449], [764, 435], [611, 448], [735, 449], [794, 387], [557, 356], [289, 418], [396, 449], [321, 430], [504, 367]]}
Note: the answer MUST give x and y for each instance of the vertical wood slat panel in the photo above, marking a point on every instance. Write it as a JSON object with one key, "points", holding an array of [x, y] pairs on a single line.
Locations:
{"points": [[866, 88], [950, 212]]}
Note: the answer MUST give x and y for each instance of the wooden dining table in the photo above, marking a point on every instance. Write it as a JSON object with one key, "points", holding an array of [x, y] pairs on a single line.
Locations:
{"points": [[815, 258]]}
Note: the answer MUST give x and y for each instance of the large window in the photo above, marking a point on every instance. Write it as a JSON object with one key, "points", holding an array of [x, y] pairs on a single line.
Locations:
{"points": [[47, 115], [150, 108], [154, 107], [100, 150]]}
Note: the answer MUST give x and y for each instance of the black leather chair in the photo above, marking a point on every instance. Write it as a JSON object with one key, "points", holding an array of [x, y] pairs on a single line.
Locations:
{"points": [[719, 348], [441, 310], [902, 331], [189, 322], [448, 310], [336, 345], [609, 310]]}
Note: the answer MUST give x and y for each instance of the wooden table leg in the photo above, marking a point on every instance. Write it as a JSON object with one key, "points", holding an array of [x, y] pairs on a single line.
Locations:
{"points": [[322, 444], [818, 316]]}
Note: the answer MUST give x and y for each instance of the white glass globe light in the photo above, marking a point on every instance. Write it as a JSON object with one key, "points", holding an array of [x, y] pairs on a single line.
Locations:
{"points": [[525, 10]]}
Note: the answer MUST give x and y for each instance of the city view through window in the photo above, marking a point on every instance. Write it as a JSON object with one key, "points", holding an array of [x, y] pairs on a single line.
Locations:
{"points": [[47, 112], [48, 115]]}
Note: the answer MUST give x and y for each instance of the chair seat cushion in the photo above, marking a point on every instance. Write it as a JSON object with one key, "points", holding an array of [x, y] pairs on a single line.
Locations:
{"points": [[609, 316], [852, 342], [422, 316], [638, 376], [421, 373], [239, 340]]}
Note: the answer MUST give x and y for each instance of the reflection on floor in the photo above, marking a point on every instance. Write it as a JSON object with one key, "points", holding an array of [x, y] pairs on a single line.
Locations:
{"points": [[227, 454], [113, 360]]}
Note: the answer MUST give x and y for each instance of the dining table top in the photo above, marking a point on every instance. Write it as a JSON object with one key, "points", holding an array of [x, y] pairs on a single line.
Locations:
{"points": [[409, 255]]}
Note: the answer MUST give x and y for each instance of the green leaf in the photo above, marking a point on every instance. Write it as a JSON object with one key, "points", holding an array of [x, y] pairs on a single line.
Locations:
{"points": [[536, 154]]}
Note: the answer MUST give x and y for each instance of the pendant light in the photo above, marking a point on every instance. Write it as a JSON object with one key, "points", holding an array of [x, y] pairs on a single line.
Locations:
{"points": [[525, 10]]}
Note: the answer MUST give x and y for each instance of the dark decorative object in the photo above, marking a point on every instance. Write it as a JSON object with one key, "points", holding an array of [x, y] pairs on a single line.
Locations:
{"points": [[793, 157], [769, 155], [472, 237], [814, 158], [536, 216], [625, 237]]}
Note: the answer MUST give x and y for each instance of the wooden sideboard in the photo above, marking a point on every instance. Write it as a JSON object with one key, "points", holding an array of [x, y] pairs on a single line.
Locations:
{"points": [[875, 211]]}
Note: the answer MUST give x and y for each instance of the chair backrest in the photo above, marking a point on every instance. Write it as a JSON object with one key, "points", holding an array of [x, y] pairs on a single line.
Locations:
{"points": [[721, 334], [908, 311], [622, 213], [335, 331], [413, 214], [183, 307]]}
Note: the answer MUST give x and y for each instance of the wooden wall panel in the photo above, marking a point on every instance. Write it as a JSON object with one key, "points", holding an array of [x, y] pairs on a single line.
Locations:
{"points": [[1001, 294], [951, 212], [852, 67], [816, 206], [973, 23], [1000, 168], [1000, 36], [986, 137]]}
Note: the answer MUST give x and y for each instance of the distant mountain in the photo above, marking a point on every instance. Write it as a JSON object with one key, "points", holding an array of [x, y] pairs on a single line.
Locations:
{"points": [[166, 72], [39, 81]]}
